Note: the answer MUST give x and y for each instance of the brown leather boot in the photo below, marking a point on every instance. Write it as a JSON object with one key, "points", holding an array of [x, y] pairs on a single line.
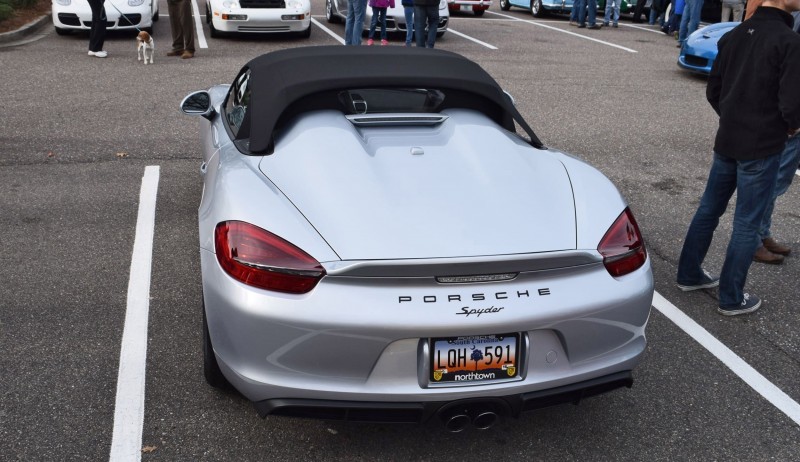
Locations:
{"points": [[175, 53], [773, 246], [763, 255]]}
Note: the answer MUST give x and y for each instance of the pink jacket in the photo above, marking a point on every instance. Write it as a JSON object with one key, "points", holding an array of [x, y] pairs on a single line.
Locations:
{"points": [[381, 3]]}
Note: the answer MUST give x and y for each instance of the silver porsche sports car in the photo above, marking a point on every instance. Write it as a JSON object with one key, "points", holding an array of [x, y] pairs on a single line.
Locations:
{"points": [[379, 244]]}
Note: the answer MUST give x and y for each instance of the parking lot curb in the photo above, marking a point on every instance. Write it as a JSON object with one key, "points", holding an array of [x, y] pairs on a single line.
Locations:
{"points": [[25, 31]]}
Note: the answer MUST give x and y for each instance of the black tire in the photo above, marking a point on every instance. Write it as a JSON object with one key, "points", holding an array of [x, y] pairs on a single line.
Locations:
{"points": [[306, 33], [156, 15], [479, 13], [212, 31], [62, 31], [211, 369], [536, 8], [505, 5], [329, 16], [440, 34]]}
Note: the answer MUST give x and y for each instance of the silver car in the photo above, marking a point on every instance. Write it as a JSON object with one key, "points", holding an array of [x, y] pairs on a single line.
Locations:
{"points": [[382, 246], [336, 11]]}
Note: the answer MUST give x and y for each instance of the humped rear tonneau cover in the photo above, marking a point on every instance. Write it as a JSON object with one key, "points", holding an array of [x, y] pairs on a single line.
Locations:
{"points": [[281, 78]]}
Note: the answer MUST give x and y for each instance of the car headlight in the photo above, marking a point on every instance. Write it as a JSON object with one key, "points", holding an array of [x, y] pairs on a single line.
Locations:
{"points": [[64, 2], [294, 4], [230, 4], [135, 2]]}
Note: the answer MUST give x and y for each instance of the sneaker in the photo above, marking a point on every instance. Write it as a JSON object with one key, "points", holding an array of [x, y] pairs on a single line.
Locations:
{"points": [[98, 54], [384, 42], [615, 25], [594, 26], [175, 53], [749, 304], [581, 26], [573, 23], [706, 282], [605, 24], [370, 42]]}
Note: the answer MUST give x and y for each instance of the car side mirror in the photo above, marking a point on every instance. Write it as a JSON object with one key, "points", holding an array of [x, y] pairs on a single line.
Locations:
{"points": [[198, 103]]}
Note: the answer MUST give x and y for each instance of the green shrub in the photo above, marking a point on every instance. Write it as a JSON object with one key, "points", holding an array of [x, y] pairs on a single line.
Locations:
{"points": [[5, 11]]}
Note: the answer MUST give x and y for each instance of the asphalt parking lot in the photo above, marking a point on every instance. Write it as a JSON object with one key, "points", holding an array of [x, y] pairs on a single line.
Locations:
{"points": [[79, 133]]}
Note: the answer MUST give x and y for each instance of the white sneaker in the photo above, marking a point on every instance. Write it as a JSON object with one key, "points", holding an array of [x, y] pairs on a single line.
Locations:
{"points": [[98, 54]]}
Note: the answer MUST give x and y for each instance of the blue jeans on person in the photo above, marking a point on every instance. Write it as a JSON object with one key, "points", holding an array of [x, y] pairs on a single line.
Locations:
{"points": [[790, 160], [612, 11], [573, 15], [409, 11], [655, 15], [753, 181], [592, 6], [426, 15], [378, 15], [354, 25], [690, 19]]}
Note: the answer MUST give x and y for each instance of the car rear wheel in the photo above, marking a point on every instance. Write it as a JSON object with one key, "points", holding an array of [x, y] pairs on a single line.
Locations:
{"points": [[536, 8], [479, 13], [505, 5], [329, 16], [211, 369]]}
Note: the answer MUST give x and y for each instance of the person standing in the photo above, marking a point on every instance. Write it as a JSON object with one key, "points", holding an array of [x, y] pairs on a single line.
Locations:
{"points": [[753, 87], [426, 22], [379, 8], [591, 5], [732, 6], [612, 12], [690, 19], [354, 23], [97, 35], [180, 23], [408, 10]]}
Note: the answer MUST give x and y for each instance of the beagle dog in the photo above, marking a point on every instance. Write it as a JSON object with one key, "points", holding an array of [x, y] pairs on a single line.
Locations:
{"points": [[144, 42]]}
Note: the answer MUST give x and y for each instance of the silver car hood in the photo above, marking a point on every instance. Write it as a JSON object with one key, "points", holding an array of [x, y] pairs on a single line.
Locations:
{"points": [[461, 188]]}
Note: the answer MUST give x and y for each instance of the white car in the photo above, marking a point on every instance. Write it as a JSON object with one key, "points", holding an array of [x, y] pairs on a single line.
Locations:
{"points": [[71, 15], [258, 16]]}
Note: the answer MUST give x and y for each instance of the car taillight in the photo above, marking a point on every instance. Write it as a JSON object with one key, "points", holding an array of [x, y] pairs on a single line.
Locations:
{"points": [[261, 259], [622, 247]]}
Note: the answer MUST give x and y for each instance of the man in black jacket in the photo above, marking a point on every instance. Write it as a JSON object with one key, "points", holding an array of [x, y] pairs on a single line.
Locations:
{"points": [[753, 87]]}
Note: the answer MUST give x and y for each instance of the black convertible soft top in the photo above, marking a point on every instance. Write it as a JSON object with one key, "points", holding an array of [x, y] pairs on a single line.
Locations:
{"points": [[282, 78]]}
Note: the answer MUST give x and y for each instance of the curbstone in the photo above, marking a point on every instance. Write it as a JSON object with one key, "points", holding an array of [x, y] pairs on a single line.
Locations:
{"points": [[26, 30]]}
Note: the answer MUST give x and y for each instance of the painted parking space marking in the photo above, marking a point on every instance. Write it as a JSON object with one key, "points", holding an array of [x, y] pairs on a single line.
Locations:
{"points": [[491, 47], [747, 373], [540, 24], [126, 441], [647, 29], [328, 31], [201, 38]]}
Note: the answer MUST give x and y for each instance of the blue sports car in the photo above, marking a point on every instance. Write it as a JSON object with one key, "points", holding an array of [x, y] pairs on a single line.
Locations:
{"points": [[700, 50]]}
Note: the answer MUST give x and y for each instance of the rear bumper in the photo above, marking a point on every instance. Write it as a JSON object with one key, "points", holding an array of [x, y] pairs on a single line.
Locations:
{"points": [[421, 412]]}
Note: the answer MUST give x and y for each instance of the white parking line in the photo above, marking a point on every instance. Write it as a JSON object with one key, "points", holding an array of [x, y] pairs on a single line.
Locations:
{"points": [[328, 31], [491, 47], [751, 377], [126, 441], [201, 38], [538, 23]]}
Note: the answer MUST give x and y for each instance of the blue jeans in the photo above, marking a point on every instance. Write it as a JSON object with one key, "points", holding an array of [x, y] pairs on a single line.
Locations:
{"points": [[790, 159], [378, 14], [754, 181], [655, 15], [409, 11], [592, 5], [426, 16], [354, 25], [690, 19], [612, 10], [573, 14]]}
